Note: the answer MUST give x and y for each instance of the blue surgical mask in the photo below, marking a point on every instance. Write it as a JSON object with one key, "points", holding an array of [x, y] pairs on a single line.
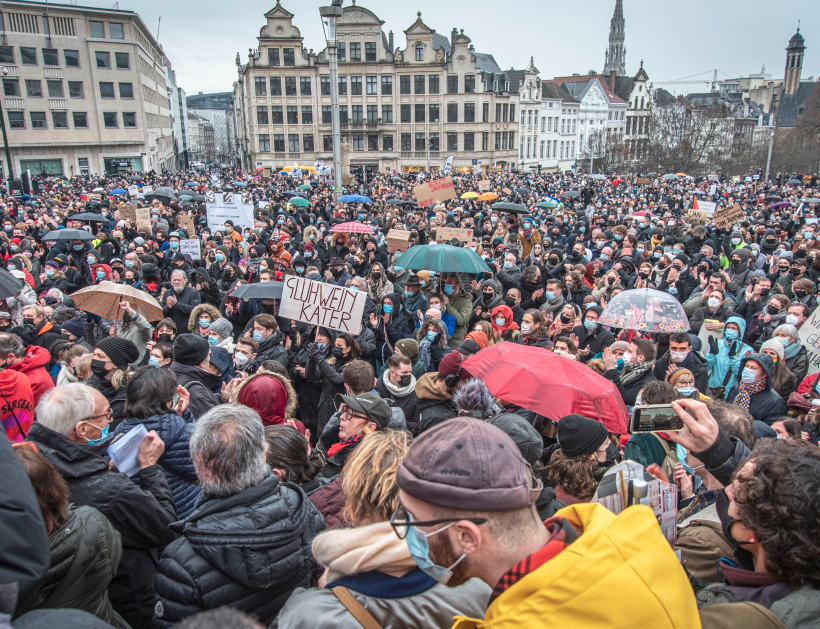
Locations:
{"points": [[409, 294], [100, 275], [582, 229], [153, 361], [730, 334], [129, 264], [550, 295], [213, 340], [508, 265], [590, 325], [258, 337], [49, 272], [748, 375], [420, 552], [103, 436], [448, 290], [173, 244], [786, 341], [431, 336], [687, 391], [500, 322], [398, 269], [322, 346], [220, 257], [204, 323], [387, 308], [604, 257], [13, 247], [78, 247]]}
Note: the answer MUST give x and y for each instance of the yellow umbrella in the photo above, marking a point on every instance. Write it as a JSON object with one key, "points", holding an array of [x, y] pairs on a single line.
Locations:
{"points": [[469, 195], [488, 196], [681, 175]]}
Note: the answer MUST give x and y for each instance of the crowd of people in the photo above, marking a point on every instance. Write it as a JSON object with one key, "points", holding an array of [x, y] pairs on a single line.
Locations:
{"points": [[294, 475]]}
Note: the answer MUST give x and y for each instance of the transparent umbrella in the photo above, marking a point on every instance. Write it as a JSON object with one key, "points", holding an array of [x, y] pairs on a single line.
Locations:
{"points": [[646, 310]]}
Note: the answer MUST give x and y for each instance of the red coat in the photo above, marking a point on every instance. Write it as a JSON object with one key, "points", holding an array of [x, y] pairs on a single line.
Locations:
{"points": [[33, 366]]}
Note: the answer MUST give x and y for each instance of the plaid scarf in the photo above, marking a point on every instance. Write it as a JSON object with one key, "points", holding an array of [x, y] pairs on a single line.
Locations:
{"points": [[633, 371], [747, 390], [562, 534]]}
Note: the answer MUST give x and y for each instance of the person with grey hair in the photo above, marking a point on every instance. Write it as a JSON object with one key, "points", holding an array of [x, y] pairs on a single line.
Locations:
{"points": [[70, 432], [179, 301], [248, 543], [796, 356]]}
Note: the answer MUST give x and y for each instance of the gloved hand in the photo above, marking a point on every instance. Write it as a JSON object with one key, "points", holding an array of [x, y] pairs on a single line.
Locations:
{"points": [[733, 350], [313, 352], [713, 346]]}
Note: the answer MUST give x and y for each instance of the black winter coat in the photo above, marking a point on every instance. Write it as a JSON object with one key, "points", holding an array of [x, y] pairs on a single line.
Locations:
{"points": [[630, 390], [271, 348], [115, 397], [248, 551], [328, 373], [187, 300], [407, 403], [694, 363], [199, 384], [766, 406], [596, 340]]}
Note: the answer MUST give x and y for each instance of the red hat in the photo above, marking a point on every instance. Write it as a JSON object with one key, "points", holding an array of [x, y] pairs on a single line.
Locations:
{"points": [[451, 364]]}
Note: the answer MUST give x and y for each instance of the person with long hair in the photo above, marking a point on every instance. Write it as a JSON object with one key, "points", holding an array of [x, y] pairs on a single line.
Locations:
{"points": [[534, 331], [329, 373], [291, 458]]}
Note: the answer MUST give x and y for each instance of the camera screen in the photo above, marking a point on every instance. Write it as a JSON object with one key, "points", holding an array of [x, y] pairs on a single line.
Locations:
{"points": [[655, 419]]}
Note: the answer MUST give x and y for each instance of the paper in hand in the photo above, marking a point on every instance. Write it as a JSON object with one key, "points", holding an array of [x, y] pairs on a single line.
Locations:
{"points": [[124, 450]]}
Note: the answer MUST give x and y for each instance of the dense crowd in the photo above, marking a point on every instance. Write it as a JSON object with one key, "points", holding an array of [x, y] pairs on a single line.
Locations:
{"points": [[293, 475]]}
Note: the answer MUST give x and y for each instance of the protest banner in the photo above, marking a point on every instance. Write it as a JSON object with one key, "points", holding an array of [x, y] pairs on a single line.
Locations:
{"points": [[707, 206], [190, 246], [228, 207], [186, 222], [697, 217], [96, 197], [484, 185], [446, 234], [506, 190], [128, 212], [143, 219], [643, 181], [438, 190], [398, 240], [724, 217], [809, 335], [133, 191], [324, 305]]}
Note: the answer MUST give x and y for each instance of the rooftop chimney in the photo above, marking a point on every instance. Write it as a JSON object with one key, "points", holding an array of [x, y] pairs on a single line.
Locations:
{"points": [[453, 36], [390, 41]]}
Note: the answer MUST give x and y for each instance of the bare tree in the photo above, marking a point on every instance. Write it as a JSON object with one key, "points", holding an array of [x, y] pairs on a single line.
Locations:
{"points": [[609, 151]]}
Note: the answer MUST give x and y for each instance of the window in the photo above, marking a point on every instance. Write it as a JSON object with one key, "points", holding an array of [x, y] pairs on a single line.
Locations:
{"points": [[434, 112], [327, 114], [293, 142], [435, 144], [498, 112], [16, 120], [126, 90], [387, 113], [343, 114], [11, 87], [452, 112], [327, 142], [372, 85], [38, 120], [419, 116], [340, 51], [307, 115], [115, 30], [96, 29], [469, 84], [52, 58], [7, 56], [355, 51], [293, 114], [419, 84], [503, 141], [405, 113], [122, 60], [504, 111], [106, 90], [307, 142], [358, 140], [264, 143], [55, 89], [372, 142], [324, 85], [304, 85], [276, 116], [290, 86], [563, 125], [562, 150], [342, 86], [262, 114], [404, 84], [419, 52], [129, 120], [273, 57], [469, 112], [103, 60], [276, 86], [512, 112], [523, 115], [469, 141], [356, 85], [289, 57], [370, 51], [80, 120], [549, 124], [28, 56], [610, 115], [434, 83], [387, 85], [420, 142], [75, 89], [34, 88], [358, 114], [485, 138], [387, 143], [110, 119], [72, 58], [279, 142], [485, 112], [452, 141], [372, 114], [406, 142], [260, 85]]}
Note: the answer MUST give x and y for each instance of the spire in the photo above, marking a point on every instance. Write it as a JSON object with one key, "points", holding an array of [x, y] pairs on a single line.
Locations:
{"points": [[619, 11], [616, 52]]}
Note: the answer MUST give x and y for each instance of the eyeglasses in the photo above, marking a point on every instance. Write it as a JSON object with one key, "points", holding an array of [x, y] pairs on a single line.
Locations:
{"points": [[402, 520], [348, 413], [108, 414]]}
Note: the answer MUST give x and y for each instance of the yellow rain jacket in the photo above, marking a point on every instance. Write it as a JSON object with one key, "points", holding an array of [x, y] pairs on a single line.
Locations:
{"points": [[620, 573]]}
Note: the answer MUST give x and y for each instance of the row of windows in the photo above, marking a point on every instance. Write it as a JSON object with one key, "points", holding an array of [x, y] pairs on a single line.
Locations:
{"points": [[34, 89], [550, 123], [97, 29], [409, 142], [420, 84], [59, 119], [615, 117], [287, 56], [71, 58], [567, 149]]}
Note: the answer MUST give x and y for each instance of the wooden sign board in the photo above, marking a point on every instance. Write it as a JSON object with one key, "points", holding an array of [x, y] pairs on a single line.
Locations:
{"points": [[144, 219], [435, 191], [484, 185], [643, 181], [128, 212], [446, 234], [697, 217], [726, 216], [398, 240]]}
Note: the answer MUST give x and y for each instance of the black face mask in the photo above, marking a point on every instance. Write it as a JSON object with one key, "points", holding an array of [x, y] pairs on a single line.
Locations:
{"points": [[510, 301], [338, 352], [488, 297], [800, 294], [405, 380], [28, 321], [764, 292], [376, 275], [165, 338], [98, 368], [565, 319], [644, 275], [772, 310], [796, 272], [554, 261]]}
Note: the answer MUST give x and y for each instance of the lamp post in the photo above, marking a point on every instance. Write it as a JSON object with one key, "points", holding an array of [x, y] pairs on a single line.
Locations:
{"points": [[769, 158], [331, 14], [10, 173]]}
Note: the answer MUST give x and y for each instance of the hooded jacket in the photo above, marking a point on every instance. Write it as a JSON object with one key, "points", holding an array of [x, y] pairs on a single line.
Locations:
{"points": [[16, 406], [620, 573], [741, 276], [766, 406], [728, 357], [272, 348], [200, 384], [248, 551], [434, 406], [197, 312], [33, 367]]}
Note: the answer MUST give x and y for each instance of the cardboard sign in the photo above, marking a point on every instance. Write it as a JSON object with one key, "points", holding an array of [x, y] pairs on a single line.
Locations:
{"points": [[438, 190], [446, 234], [144, 219], [484, 185], [227, 206], [506, 190], [325, 305], [186, 222], [96, 197], [398, 240], [133, 191], [726, 216], [809, 335], [190, 246], [697, 217], [643, 181], [707, 206], [128, 212]]}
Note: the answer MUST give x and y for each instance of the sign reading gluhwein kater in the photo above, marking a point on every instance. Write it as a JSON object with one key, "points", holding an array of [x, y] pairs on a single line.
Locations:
{"points": [[325, 305]]}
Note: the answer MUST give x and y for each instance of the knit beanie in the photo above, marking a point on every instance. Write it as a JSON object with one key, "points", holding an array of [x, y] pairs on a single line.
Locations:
{"points": [[526, 437], [580, 436], [122, 352], [75, 326], [775, 345], [676, 375], [222, 327], [190, 350], [450, 365], [408, 347]]}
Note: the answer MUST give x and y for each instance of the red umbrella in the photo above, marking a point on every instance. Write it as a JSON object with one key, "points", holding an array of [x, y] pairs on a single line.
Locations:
{"points": [[548, 384], [643, 213], [352, 227], [615, 182]]}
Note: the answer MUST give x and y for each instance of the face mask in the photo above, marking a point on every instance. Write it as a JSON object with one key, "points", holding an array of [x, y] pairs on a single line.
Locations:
{"points": [[431, 335], [582, 229], [786, 341], [258, 337], [627, 358], [678, 357], [103, 435], [204, 323], [500, 322], [91, 260], [13, 247], [78, 247], [730, 334], [8, 228], [153, 361], [49, 272], [604, 257], [448, 290], [687, 391], [129, 264], [735, 241], [98, 368], [420, 552], [510, 301], [771, 309], [618, 237], [808, 235], [409, 294], [165, 338], [405, 380], [764, 292], [240, 359], [748, 375], [173, 245], [338, 352], [791, 319], [713, 303], [656, 254], [11, 267], [796, 272], [525, 328], [100, 275], [640, 249], [590, 325], [220, 257], [387, 308]]}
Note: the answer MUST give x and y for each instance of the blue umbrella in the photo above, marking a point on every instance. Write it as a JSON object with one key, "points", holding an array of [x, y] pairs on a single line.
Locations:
{"points": [[118, 191], [191, 184], [354, 198], [239, 183]]}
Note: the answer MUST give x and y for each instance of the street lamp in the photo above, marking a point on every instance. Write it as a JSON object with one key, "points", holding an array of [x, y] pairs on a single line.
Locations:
{"points": [[331, 14], [769, 158], [10, 174]]}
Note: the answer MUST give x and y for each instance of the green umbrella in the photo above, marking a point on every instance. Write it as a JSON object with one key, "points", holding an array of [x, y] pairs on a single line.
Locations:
{"points": [[305, 186], [549, 205], [299, 202], [442, 258]]}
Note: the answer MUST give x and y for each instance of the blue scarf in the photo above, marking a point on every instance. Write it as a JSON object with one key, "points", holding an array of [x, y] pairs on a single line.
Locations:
{"points": [[792, 349]]}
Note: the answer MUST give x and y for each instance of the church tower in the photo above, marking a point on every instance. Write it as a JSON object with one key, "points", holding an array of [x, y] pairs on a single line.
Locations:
{"points": [[794, 63], [616, 55]]}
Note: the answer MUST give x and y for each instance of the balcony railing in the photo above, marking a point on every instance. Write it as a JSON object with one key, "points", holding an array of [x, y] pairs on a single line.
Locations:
{"points": [[13, 70], [57, 103], [13, 103], [51, 72]]}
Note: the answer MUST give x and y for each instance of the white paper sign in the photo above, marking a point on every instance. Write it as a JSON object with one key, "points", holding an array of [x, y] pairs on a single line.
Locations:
{"points": [[190, 246], [124, 450], [809, 335], [133, 191], [228, 207], [325, 305], [708, 207]]}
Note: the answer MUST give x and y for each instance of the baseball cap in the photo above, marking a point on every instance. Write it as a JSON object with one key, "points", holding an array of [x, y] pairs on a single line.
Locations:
{"points": [[464, 462], [371, 405]]}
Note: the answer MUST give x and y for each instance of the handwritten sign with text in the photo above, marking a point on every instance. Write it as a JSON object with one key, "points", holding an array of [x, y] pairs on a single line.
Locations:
{"points": [[724, 217], [438, 190], [325, 305], [446, 234], [809, 335]]}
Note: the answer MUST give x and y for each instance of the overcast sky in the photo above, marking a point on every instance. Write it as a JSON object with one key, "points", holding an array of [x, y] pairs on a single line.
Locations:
{"points": [[675, 39]]}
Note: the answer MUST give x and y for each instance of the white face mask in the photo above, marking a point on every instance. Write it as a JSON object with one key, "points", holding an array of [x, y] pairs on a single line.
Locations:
{"points": [[791, 319], [713, 303], [678, 357], [240, 359], [627, 358]]}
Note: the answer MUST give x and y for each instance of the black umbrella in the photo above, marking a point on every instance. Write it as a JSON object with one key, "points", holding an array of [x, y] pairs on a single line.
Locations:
{"points": [[199, 198], [135, 178], [572, 193], [393, 202], [186, 204], [794, 182], [9, 285], [68, 234], [512, 208], [260, 290], [772, 199], [409, 203], [88, 216], [522, 190]]}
